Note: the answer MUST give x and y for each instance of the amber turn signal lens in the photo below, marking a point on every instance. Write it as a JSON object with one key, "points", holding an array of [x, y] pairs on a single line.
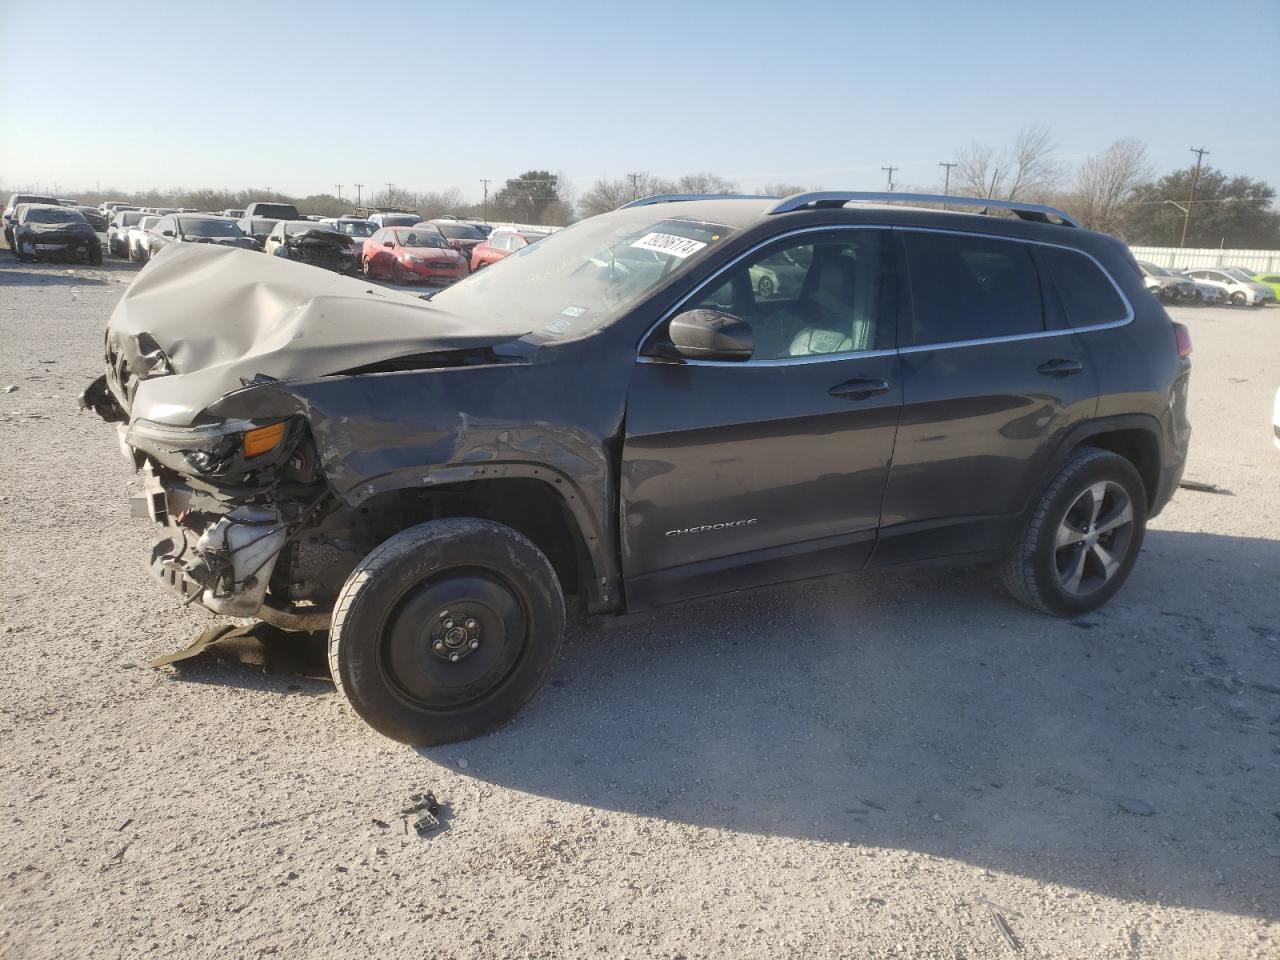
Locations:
{"points": [[263, 440]]}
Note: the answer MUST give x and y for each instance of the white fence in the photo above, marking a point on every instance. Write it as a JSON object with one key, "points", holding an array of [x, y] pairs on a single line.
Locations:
{"points": [[1255, 261]]}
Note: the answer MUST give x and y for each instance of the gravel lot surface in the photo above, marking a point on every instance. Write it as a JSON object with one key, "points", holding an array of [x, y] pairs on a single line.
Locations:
{"points": [[851, 768]]}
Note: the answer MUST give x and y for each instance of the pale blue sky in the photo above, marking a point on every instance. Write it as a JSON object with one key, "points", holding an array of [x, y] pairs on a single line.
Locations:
{"points": [[301, 96]]}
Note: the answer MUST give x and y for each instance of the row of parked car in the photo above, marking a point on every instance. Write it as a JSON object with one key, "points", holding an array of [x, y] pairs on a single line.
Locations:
{"points": [[1210, 285], [398, 245]]}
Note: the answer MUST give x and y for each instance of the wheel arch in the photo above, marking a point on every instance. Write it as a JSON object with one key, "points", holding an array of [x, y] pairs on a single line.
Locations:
{"points": [[535, 500], [1135, 437]]}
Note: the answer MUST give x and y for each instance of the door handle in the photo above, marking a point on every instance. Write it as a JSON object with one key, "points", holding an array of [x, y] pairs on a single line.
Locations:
{"points": [[859, 388], [1060, 367]]}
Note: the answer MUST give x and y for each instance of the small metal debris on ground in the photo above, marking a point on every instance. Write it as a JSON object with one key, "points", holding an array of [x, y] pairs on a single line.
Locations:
{"points": [[1201, 487], [997, 917], [11, 388], [427, 807]]}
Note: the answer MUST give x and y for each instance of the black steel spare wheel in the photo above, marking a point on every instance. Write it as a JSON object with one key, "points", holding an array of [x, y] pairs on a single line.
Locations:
{"points": [[446, 630], [453, 639]]}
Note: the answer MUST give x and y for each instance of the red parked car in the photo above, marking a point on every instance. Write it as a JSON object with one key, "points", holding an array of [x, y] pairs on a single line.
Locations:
{"points": [[462, 236], [408, 254], [501, 243]]}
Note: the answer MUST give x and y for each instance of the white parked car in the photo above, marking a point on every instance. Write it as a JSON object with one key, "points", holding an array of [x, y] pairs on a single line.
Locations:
{"points": [[1238, 286], [139, 249], [118, 231]]}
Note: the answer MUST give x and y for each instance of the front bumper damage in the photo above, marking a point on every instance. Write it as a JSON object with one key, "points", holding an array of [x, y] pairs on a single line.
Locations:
{"points": [[210, 550]]}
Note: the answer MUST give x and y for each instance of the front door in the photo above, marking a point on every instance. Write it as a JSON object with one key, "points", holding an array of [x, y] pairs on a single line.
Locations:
{"points": [[738, 473]]}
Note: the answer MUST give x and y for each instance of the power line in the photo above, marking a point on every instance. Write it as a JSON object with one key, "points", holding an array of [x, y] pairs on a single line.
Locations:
{"points": [[359, 187], [635, 190], [889, 170], [1195, 179], [484, 210], [339, 186]]}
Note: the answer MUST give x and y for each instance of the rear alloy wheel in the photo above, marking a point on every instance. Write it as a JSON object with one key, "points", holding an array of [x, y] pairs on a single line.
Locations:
{"points": [[444, 631], [366, 269], [1082, 538]]}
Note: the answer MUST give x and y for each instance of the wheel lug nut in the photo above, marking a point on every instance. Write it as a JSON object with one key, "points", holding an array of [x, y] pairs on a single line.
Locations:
{"points": [[471, 624], [453, 658], [474, 644], [439, 645], [448, 624]]}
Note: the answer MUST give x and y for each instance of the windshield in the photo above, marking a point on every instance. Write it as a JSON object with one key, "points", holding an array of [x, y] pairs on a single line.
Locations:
{"points": [[263, 226], [459, 231], [355, 228], [400, 219], [147, 222], [583, 277], [130, 217], [202, 227], [1155, 271], [53, 215], [421, 238], [1237, 274]]}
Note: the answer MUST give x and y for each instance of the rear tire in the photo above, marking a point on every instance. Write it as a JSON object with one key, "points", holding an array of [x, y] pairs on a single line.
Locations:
{"points": [[95, 254], [1082, 537], [444, 631]]}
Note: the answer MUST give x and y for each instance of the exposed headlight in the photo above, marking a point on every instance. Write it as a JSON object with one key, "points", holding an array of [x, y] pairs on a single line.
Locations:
{"points": [[213, 449]]}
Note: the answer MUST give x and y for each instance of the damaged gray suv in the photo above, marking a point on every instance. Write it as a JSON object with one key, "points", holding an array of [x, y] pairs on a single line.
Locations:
{"points": [[627, 413]]}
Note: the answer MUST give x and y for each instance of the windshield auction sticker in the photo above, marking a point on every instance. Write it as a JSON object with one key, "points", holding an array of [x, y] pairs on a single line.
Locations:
{"points": [[669, 244]]}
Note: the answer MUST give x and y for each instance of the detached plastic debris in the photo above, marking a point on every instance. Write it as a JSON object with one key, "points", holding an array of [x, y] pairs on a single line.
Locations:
{"points": [[427, 808]]}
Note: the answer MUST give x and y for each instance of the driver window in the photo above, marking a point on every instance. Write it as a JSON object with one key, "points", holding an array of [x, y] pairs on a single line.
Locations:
{"points": [[808, 296]]}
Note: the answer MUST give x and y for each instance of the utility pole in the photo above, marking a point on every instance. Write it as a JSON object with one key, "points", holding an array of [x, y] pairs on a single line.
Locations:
{"points": [[1195, 179], [889, 170], [359, 200], [946, 184], [389, 193], [484, 209], [339, 186], [635, 191]]}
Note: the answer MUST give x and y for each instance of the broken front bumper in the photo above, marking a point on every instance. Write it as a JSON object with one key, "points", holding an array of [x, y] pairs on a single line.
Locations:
{"points": [[223, 562]]}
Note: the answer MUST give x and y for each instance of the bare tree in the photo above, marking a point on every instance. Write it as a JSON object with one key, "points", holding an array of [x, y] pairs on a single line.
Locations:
{"points": [[606, 195], [1025, 169], [705, 183], [1105, 181], [784, 189]]}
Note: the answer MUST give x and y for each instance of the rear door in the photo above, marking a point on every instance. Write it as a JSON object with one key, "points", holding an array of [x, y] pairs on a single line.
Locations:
{"points": [[741, 473], [992, 379]]}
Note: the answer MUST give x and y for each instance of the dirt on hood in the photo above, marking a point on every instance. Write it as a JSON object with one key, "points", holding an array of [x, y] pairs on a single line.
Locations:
{"points": [[204, 320]]}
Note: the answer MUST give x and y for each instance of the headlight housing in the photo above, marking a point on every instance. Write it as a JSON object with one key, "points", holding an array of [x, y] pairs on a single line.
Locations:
{"points": [[227, 449]]}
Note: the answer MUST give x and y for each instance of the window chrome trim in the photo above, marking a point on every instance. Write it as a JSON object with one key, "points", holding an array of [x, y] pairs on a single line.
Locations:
{"points": [[871, 354]]}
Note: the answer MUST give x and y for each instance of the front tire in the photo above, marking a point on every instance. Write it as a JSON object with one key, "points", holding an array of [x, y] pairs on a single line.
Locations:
{"points": [[445, 630], [1082, 538], [95, 254], [1239, 299]]}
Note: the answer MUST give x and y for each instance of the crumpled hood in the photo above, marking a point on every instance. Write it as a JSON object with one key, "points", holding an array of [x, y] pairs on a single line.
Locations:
{"points": [[203, 319], [318, 236], [54, 230]]}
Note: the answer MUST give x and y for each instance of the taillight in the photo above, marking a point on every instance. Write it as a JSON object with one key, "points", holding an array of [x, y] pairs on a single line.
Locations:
{"points": [[1182, 336]]}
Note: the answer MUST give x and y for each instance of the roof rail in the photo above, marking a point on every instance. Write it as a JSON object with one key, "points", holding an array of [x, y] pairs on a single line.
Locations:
{"points": [[676, 197], [838, 198]]}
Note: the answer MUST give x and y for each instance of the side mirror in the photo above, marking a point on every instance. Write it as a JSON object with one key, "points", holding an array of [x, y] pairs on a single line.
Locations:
{"points": [[167, 233], [711, 335], [389, 243]]}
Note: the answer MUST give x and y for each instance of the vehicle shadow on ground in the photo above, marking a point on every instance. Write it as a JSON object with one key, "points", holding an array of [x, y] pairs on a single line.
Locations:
{"points": [[1134, 752], [64, 272]]}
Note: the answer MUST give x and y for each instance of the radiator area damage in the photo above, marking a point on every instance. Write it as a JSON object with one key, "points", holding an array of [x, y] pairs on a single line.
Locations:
{"points": [[287, 420], [320, 247]]}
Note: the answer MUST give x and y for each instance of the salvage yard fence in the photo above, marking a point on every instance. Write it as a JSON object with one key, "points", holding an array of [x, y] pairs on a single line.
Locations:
{"points": [[1183, 258]]}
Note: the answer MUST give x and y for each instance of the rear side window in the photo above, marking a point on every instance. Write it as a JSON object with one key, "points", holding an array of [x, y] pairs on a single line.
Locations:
{"points": [[971, 288], [1088, 296]]}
